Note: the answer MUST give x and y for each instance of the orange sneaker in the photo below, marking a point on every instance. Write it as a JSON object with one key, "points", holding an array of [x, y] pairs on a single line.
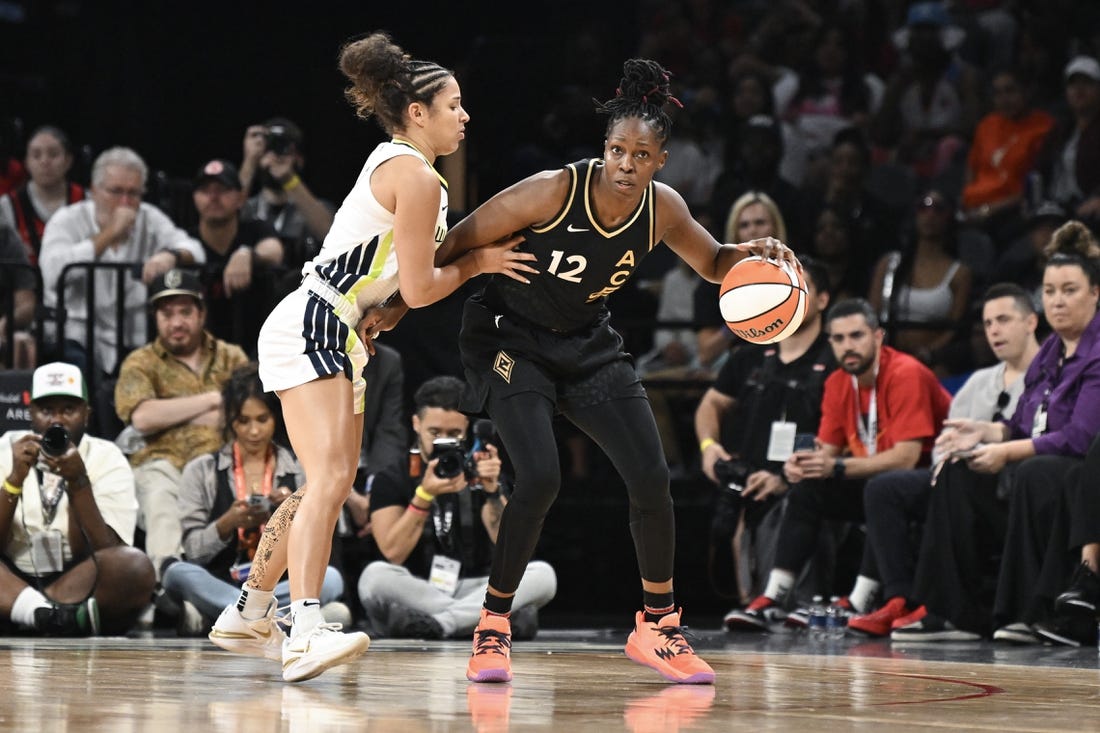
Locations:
{"points": [[491, 659], [662, 646]]}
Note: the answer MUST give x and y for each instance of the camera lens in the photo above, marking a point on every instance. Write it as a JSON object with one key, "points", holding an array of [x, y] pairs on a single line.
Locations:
{"points": [[448, 457], [55, 441]]}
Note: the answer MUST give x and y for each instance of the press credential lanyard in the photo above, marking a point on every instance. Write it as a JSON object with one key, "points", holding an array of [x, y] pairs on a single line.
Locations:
{"points": [[868, 431]]}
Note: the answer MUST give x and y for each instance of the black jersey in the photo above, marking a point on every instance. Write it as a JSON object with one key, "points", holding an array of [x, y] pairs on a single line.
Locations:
{"points": [[580, 262]]}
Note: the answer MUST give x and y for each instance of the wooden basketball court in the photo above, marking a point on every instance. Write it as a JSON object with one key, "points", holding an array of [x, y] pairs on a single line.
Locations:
{"points": [[564, 680]]}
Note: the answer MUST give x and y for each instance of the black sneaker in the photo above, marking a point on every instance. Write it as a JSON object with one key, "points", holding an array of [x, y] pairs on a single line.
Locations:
{"points": [[1083, 594], [525, 623], [1076, 630], [757, 616], [408, 623], [68, 619], [932, 628]]}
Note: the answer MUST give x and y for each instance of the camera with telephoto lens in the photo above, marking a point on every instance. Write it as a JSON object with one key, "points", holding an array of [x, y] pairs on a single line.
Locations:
{"points": [[277, 139], [55, 440], [732, 474]]}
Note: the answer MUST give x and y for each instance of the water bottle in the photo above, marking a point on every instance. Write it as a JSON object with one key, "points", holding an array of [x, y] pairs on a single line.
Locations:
{"points": [[836, 621], [815, 623]]}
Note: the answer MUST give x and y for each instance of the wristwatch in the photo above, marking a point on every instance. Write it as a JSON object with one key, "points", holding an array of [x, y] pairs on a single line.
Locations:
{"points": [[839, 469]]}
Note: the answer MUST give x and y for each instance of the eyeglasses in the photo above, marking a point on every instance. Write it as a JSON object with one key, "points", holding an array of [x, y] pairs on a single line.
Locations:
{"points": [[130, 193], [1002, 402]]}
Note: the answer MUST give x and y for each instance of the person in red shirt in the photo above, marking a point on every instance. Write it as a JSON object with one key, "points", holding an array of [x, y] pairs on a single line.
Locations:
{"points": [[881, 411]]}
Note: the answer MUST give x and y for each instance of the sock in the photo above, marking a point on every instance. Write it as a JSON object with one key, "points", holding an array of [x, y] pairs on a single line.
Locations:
{"points": [[305, 616], [863, 592], [779, 585], [497, 604], [22, 611], [254, 603], [657, 605]]}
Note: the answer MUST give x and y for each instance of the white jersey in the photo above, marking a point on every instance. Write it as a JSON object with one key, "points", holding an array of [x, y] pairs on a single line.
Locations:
{"points": [[358, 258]]}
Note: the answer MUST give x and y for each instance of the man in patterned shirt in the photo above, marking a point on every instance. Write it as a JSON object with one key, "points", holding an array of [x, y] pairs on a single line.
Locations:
{"points": [[169, 391]]}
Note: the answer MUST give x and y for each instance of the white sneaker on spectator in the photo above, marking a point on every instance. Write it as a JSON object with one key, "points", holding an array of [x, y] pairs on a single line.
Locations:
{"points": [[258, 638], [312, 652], [336, 612], [191, 621]]}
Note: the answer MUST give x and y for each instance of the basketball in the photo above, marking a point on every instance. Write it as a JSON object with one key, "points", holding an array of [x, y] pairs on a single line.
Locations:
{"points": [[763, 301]]}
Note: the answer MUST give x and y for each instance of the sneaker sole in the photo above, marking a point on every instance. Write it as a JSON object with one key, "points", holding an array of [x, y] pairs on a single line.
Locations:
{"points": [[933, 636], [498, 674], [1080, 608], [93, 617], [1049, 635], [247, 645], [1016, 637], [699, 678], [295, 672]]}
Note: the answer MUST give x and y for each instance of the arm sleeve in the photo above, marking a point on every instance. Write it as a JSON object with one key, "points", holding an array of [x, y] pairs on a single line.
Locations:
{"points": [[201, 542], [133, 387], [112, 481], [64, 241], [166, 235]]}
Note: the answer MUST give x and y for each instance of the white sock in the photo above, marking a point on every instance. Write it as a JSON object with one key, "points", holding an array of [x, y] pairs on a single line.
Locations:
{"points": [[779, 585], [863, 592], [22, 611], [305, 616], [254, 603]]}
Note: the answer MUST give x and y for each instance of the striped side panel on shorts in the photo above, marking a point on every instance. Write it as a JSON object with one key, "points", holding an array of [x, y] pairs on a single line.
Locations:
{"points": [[325, 336]]}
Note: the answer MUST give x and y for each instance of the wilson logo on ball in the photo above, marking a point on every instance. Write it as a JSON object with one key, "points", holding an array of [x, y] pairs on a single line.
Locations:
{"points": [[763, 301]]}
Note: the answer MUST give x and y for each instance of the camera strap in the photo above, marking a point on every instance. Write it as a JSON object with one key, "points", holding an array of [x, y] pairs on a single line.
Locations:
{"points": [[51, 487]]}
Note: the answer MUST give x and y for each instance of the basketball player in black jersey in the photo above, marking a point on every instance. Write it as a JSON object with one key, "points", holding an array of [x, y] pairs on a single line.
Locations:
{"points": [[531, 350]]}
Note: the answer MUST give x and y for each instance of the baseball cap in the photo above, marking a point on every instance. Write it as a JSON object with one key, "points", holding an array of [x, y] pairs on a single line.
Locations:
{"points": [[1086, 65], [58, 379], [221, 171], [175, 282], [931, 15]]}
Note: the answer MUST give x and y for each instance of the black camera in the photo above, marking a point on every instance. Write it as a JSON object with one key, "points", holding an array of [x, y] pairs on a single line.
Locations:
{"points": [[55, 440], [277, 139], [452, 459], [732, 474]]}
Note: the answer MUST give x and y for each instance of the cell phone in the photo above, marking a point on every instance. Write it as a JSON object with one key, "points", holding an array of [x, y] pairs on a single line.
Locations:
{"points": [[804, 442], [964, 454]]}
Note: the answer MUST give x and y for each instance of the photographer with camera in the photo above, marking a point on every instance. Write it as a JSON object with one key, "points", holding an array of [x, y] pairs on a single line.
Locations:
{"points": [[762, 398], [273, 153], [226, 498], [68, 510], [436, 524]]}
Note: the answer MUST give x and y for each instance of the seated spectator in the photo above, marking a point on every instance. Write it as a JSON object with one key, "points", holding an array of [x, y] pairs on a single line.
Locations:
{"points": [[241, 256], [29, 207], [880, 412], [435, 524], [17, 302], [1069, 162], [1003, 151], [897, 500], [1056, 419], [225, 499], [169, 393], [114, 226], [746, 424], [837, 246], [274, 157], [931, 102], [1025, 260], [67, 567], [924, 283]]}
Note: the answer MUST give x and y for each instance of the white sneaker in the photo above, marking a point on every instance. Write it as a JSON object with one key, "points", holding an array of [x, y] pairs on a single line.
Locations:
{"points": [[312, 652], [191, 621], [337, 613], [259, 638]]}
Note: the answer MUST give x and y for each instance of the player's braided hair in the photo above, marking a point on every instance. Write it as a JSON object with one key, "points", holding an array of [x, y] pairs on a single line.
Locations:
{"points": [[643, 92], [385, 80]]}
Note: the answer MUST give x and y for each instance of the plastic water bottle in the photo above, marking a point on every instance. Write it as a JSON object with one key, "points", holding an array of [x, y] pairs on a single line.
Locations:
{"points": [[836, 621], [815, 624]]}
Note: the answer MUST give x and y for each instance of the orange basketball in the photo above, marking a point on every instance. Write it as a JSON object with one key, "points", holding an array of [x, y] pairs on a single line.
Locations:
{"points": [[763, 301]]}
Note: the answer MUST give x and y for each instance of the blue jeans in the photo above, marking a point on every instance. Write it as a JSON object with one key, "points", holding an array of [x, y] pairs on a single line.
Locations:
{"points": [[185, 581]]}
